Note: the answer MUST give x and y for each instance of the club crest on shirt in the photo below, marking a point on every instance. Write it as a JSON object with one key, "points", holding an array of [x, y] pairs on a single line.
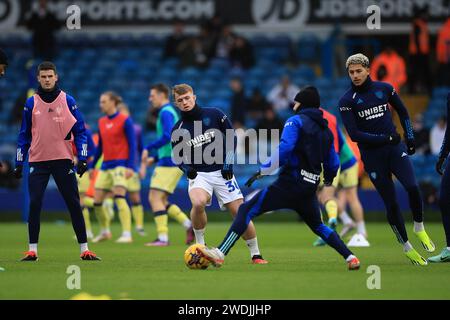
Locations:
{"points": [[379, 94], [207, 121]]}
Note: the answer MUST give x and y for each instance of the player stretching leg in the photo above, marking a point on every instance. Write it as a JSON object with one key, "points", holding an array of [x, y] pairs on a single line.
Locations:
{"points": [[50, 119], [117, 143], [444, 198], [306, 144], [203, 125], [166, 174], [366, 115], [134, 183]]}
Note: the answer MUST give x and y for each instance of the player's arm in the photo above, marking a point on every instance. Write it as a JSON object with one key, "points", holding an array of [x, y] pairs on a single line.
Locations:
{"points": [[289, 138], [397, 104], [167, 122], [78, 130], [330, 166], [188, 169], [98, 152], [24, 139], [131, 139], [445, 148], [358, 136], [225, 126]]}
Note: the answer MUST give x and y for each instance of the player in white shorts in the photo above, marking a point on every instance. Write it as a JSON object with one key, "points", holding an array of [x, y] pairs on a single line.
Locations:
{"points": [[196, 131]]}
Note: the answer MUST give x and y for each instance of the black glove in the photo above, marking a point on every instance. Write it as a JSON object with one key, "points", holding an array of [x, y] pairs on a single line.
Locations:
{"points": [[411, 146], [227, 172], [394, 139], [81, 168], [327, 183], [18, 172], [439, 164], [253, 178], [191, 173]]}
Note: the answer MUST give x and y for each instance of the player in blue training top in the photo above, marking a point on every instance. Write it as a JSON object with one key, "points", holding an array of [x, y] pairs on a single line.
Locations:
{"points": [[366, 115], [444, 198], [306, 145]]}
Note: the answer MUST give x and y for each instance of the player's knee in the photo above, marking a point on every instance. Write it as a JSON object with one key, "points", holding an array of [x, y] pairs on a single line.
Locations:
{"points": [[322, 231], [199, 203]]}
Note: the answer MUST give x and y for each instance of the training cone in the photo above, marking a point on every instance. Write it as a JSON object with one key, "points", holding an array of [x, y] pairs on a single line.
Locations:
{"points": [[358, 240]]}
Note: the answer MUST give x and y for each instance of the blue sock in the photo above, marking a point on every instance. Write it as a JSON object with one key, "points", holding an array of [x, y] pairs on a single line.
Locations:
{"points": [[333, 240]]}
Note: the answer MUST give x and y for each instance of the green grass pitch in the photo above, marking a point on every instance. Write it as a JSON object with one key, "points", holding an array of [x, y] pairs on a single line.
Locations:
{"points": [[296, 269]]}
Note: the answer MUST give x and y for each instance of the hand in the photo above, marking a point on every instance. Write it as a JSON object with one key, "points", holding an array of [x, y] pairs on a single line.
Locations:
{"points": [[18, 172], [81, 167], [142, 170], [439, 165], [253, 178], [191, 174], [411, 146], [227, 174], [128, 173], [144, 155], [151, 161], [394, 139]]}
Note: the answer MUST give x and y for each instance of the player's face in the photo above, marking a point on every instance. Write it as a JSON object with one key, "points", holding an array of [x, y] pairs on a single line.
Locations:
{"points": [[185, 102], [106, 104], [2, 69], [296, 106], [47, 79], [358, 74], [156, 98]]}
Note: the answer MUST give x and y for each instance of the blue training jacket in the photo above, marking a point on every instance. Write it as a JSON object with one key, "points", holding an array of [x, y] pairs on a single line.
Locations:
{"points": [[306, 144]]}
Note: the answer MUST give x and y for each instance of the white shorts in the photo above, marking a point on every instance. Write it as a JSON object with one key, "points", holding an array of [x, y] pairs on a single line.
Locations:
{"points": [[226, 191]]}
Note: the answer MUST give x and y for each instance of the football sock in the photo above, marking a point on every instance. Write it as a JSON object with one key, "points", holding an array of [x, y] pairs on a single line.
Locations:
{"points": [[138, 215], [88, 202], [161, 225], [102, 217], [407, 246], [331, 208], [175, 213], [32, 247], [418, 226], [415, 203], [108, 205], [87, 220], [252, 244], [83, 247], [200, 235], [345, 218], [332, 239], [350, 257], [361, 227], [124, 213]]}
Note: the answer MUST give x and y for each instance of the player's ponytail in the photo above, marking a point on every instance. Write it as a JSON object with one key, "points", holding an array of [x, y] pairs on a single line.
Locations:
{"points": [[115, 97]]}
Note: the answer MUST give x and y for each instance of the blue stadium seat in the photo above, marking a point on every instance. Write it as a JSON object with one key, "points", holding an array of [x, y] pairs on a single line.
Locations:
{"points": [[305, 72], [308, 48]]}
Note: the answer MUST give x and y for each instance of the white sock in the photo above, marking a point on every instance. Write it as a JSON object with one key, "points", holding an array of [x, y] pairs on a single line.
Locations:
{"points": [[89, 234], [163, 237], [407, 246], [83, 247], [448, 248], [105, 230], [361, 227], [350, 257], [345, 218], [187, 224], [418, 226], [252, 244], [126, 234], [200, 235], [32, 247]]}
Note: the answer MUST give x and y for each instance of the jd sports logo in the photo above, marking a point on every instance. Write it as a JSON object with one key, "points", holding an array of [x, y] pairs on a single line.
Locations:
{"points": [[280, 13]]}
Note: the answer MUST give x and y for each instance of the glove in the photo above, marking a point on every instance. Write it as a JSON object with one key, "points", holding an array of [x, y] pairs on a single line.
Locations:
{"points": [[394, 139], [253, 178], [18, 172], [439, 164], [327, 183], [81, 168], [191, 173], [227, 173], [411, 146]]}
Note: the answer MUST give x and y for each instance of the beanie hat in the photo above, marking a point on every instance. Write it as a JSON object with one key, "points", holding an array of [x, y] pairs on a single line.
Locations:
{"points": [[308, 97]]}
